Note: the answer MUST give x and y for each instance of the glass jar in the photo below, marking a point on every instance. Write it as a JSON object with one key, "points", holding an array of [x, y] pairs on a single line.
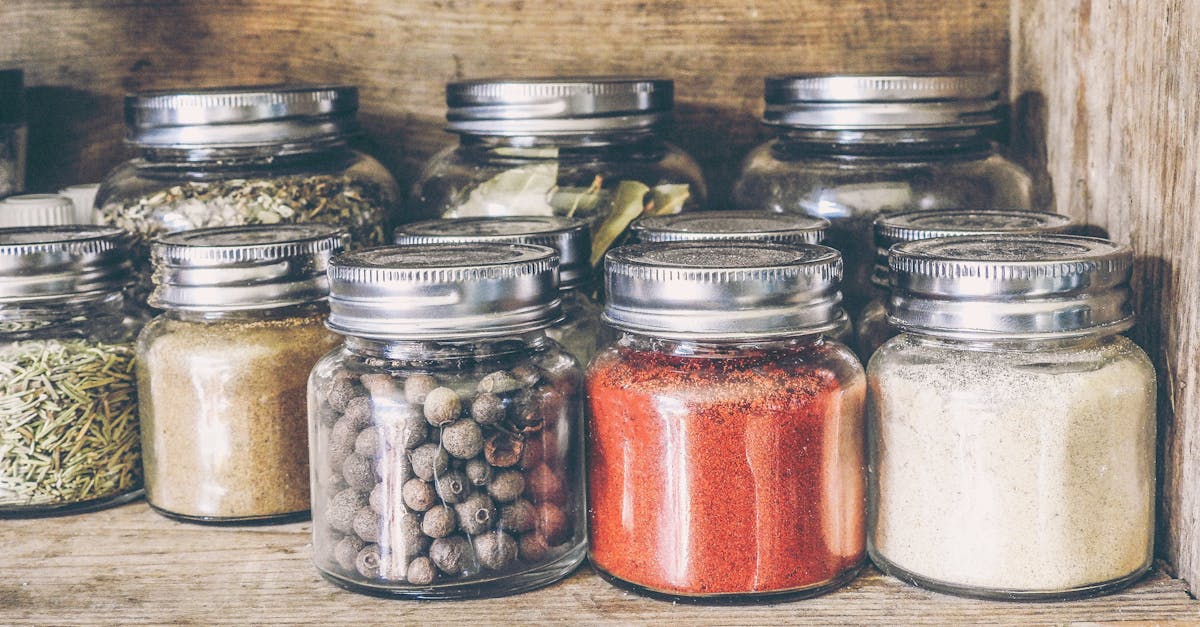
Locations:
{"points": [[69, 428], [223, 371], [239, 156], [444, 436], [580, 326], [14, 132], [872, 328], [83, 197], [848, 148], [1012, 427], [586, 147], [725, 437]]}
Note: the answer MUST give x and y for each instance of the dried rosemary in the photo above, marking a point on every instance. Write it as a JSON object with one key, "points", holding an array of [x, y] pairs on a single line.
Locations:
{"points": [[68, 422]]}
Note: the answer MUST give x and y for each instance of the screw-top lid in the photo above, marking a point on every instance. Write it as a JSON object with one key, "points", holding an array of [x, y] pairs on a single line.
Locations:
{"points": [[12, 96], [444, 291], [786, 228], [243, 267], [723, 290], [232, 117], [83, 197], [36, 210], [571, 237], [557, 106], [1011, 286], [910, 226], [62, 263], [847, 102]]}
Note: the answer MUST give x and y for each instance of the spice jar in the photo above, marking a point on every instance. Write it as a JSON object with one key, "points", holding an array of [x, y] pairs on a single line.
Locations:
{"points": [[872, 328], [580, 327], [848, 148], [578, 147], [83, 197], [444, 435], [69, 429], [223, 371], [241, 156], [14, 132], [725, 439], [1012, 426]]}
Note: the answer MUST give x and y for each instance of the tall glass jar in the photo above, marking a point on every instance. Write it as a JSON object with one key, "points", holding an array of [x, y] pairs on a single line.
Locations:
{"points": [[872, 328], [577, 147], [444, 436], [222, 372], [244, 156], [14, 132], [69, 428], [725, 437], [580, 327], [848, 148], [1011, 426]]}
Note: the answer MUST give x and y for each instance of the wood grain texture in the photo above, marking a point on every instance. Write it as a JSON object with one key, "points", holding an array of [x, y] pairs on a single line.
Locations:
{"points": [[129, 565], [1110, 99], [82, 55]]}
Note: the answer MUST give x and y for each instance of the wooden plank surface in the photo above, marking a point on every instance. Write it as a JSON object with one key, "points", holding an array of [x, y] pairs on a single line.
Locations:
{"points": [[1110, 99], [83, 54], [129, 565]]}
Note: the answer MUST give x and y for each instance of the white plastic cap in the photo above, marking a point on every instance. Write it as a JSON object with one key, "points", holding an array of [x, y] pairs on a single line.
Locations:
{"points": [[84, 197], [36, 210]]}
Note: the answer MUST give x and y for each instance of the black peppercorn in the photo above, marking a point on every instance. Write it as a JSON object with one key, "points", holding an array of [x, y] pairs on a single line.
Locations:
{"points": [[367, 563], [543, 485], [463, 439], [506, 486], [439, 522], [531, 454], [477, 514], [417, 387], [358, 412], [453, 555], [527, 374], [452, 487], [341, 389], [340, 511], [341, 441], [478, 472], [380, 385], [345, 552], [359, 472], [403, 426], [533, 547], [552, 524], [367, 443], [418, 495], [499, 382], [517, 517], [421, 572], [502, 450], [411, 541], [442, 406], [366, 524], [429, 461], [487, 409], [496, 550], [379, 500]]}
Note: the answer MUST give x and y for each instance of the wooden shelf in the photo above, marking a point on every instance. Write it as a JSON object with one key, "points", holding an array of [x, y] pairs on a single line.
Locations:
{"points": [[130, 565]]}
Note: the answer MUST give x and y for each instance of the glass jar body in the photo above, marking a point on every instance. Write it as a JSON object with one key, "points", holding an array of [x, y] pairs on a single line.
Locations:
{"points": [[1012, 471], [694, 485], [13, 147], [224, 424], [872, 329], [852, 178], [165, 191], [579, 331], [447, 469], [69, 439], [607, 179]]}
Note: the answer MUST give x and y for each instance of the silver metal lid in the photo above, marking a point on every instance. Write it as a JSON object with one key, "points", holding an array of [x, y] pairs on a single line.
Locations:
{"points": [[557, 106], [848, 102], [244, 267], [57, 263], [791, 228], [1011, 286], [571, 237], [36, 210], [444, 291], [231, 117], [723, 290], [910, 226]]}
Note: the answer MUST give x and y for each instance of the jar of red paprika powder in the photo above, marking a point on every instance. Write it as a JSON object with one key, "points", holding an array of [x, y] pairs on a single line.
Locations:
{"points": [[726, 447]]}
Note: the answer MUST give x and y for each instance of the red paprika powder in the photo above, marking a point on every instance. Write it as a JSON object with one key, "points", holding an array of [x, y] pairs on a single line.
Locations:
{"points": [[733, 465]]}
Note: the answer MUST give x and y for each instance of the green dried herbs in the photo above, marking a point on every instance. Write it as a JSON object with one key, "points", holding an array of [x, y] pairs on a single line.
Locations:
{"points": [[68, 422]]}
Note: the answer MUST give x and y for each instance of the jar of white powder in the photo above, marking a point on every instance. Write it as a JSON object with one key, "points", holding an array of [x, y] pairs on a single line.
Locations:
{"points": [[1012, 427]]}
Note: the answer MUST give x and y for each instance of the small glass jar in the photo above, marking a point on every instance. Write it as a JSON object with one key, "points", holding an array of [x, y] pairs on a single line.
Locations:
{"points": [[588, 147], [872, 328], [69, 428], [1012, 429], [580, 326], [223, 371], [14, 132], [725, 438], [244, 156], [83, 197], [848, 148], [444, 436]]}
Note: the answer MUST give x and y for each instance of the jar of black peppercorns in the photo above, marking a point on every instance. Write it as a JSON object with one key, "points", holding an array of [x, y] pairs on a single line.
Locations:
{"points": [[444, 436]]}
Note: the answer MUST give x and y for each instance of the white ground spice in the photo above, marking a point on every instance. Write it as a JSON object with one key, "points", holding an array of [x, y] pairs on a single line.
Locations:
{"points": [[1013, 471]]}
